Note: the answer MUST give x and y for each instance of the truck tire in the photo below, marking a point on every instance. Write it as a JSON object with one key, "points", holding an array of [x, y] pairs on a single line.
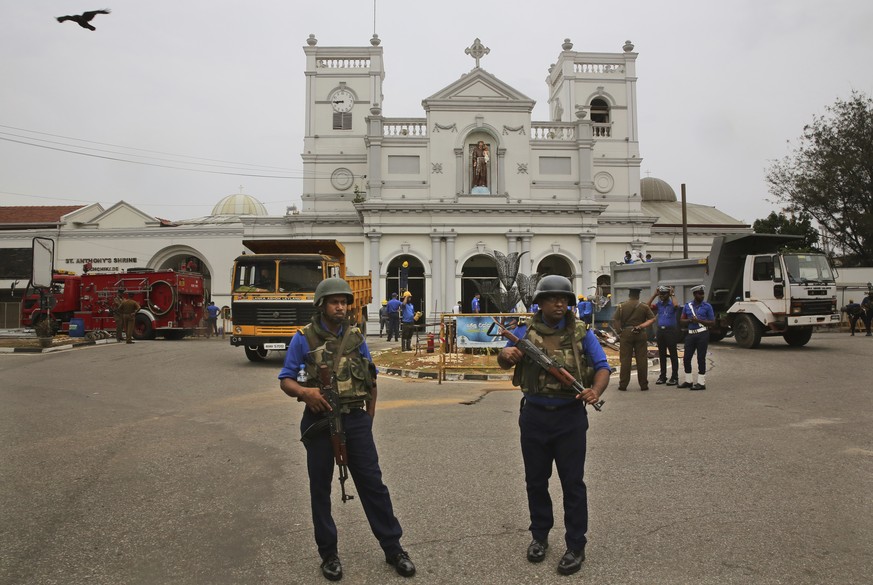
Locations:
{"points": [[256, 353], [748, 331], [142, 328], [797, 336]]}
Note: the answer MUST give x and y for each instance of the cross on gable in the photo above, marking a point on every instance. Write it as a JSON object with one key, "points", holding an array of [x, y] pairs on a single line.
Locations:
{"points": [[477, 50]]}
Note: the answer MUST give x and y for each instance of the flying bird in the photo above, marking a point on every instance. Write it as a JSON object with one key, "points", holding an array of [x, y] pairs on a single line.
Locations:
{"points": [[83, 19]]}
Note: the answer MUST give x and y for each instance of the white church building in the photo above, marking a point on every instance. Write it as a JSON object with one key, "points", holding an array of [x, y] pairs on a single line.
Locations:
{"points": [[474, 174]]}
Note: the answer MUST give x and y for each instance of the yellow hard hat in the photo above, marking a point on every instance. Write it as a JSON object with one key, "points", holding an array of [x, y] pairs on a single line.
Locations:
{"points": [[581, 297], [405, 264], [384, 302], [407, 294]]}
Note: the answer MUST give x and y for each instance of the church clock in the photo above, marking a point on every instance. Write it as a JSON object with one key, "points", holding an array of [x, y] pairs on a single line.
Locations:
{"points": [[342, 100]]}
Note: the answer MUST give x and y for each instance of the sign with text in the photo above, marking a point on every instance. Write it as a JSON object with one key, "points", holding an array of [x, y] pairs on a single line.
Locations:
{"points": [[474, 332]]}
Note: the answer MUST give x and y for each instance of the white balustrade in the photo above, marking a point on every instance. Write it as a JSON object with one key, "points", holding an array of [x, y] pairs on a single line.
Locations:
{"points": [[401, 128], [552, 131], [598, 68], [601, 130], [342, 63]]}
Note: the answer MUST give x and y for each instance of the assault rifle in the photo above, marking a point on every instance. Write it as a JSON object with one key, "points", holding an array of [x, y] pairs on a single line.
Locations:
{"points": [[326, 383], [545, 362]]}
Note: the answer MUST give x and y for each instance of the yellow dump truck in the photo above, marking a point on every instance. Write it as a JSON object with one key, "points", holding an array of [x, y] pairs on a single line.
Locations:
{"points": [[272, 291]]}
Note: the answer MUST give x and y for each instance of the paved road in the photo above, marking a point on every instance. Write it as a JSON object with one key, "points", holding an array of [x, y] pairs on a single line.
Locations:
{"points": [[178, 462]]}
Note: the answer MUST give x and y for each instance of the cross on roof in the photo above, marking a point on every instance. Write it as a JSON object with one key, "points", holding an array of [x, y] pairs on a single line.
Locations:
{"points": [[477, 50]]}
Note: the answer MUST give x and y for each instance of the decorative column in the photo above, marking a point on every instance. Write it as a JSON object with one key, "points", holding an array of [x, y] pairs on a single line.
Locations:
{"points": [[525, 247], [588, 271], [511, 242], [373, 141], [376, 274], [459, 171], [501, 172], [435, 271], [450, 272], [585, 146]]}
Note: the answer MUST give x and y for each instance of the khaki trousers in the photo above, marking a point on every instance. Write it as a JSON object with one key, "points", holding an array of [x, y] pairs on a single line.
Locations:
{"points": [[633, 346]]}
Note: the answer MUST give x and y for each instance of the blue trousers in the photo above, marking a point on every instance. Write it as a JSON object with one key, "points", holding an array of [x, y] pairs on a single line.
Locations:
{"points": [[696, 343], [367, 476], [393, 326], [555, 437]]}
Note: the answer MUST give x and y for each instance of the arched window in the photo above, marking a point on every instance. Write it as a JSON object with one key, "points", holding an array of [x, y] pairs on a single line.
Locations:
{"points": [[599, 111], [600, 117]]}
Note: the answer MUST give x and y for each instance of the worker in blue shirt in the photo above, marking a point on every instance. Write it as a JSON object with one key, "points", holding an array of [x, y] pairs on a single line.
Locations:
{"points": [[585, 310], [698, 316], [553, 421], [407, 319], [475, 304], [393, 310]]}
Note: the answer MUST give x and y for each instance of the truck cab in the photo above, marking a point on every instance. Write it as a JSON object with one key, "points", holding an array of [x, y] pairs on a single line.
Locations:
{"points": [[273, 290], [787, 294]]}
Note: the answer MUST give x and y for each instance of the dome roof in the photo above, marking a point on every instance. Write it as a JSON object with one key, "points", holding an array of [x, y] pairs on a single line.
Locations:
{"points": [[239, 204], [653, 189]]}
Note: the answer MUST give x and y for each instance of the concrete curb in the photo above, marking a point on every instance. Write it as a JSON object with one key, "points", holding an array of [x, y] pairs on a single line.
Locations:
{"points": [[66, 347], [450, 376], [459, 377]]}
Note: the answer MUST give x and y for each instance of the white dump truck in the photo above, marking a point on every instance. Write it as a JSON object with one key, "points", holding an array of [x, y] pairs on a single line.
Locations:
{"points": [[754, 290]]}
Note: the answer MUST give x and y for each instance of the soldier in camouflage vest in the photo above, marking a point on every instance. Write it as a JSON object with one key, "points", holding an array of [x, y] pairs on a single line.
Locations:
{"points": [[553, 420], [330, 340]]}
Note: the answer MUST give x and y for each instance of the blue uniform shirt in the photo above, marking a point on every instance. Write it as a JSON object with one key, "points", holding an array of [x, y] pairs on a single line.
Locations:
{"points": [[213, 311], [296, 355], [703, 311], [392, 306], [590, 347], [475, 305], [407, 313], [667, 313]]}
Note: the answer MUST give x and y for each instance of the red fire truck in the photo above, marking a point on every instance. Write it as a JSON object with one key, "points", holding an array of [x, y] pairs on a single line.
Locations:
{"points": [[171, 302]]}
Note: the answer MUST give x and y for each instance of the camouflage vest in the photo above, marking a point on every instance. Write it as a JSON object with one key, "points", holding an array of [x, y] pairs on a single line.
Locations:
{"points": [[353, 376], [558, 345]]}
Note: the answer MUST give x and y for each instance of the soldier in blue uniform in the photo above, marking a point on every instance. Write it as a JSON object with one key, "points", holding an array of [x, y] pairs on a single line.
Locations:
{"points": [[318, 343], [698, 315], [553, 420], [667, 337]]}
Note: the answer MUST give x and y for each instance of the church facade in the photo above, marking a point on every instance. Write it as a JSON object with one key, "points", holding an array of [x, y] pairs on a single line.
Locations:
{"points": [[473, 175], [476, 173]]}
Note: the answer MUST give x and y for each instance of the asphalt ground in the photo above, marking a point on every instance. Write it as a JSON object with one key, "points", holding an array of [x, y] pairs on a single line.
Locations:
{"points": [[178, 462]]}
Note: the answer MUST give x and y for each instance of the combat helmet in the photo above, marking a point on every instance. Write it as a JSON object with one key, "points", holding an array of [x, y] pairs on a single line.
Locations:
{"points": [[554, 285], [332, 286]]}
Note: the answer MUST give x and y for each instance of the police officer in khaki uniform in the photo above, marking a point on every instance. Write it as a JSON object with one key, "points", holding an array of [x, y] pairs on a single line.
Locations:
{"points": [[318, 343], [553, 420], [630, 321], [128, 310], [116, 314]]}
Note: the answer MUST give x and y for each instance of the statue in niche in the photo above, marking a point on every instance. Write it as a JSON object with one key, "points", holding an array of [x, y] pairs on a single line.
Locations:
{"points": [[480, 159]]}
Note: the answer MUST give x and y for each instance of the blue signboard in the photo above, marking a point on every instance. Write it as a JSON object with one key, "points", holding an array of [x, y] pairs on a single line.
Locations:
{"points": [[474, 332]]}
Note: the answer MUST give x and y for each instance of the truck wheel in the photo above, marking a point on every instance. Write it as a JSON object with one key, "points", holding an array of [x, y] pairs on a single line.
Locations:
{"points": [[748, 331], [142, 328], [797, 336], [256, 353]]}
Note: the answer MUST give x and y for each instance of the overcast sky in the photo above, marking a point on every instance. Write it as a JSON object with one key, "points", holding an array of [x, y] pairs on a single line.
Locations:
{"points": [[722, 89]]}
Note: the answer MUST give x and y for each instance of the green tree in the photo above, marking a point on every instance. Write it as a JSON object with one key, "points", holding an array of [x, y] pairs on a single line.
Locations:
{"points": [[792, 226], [829, 177]]}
